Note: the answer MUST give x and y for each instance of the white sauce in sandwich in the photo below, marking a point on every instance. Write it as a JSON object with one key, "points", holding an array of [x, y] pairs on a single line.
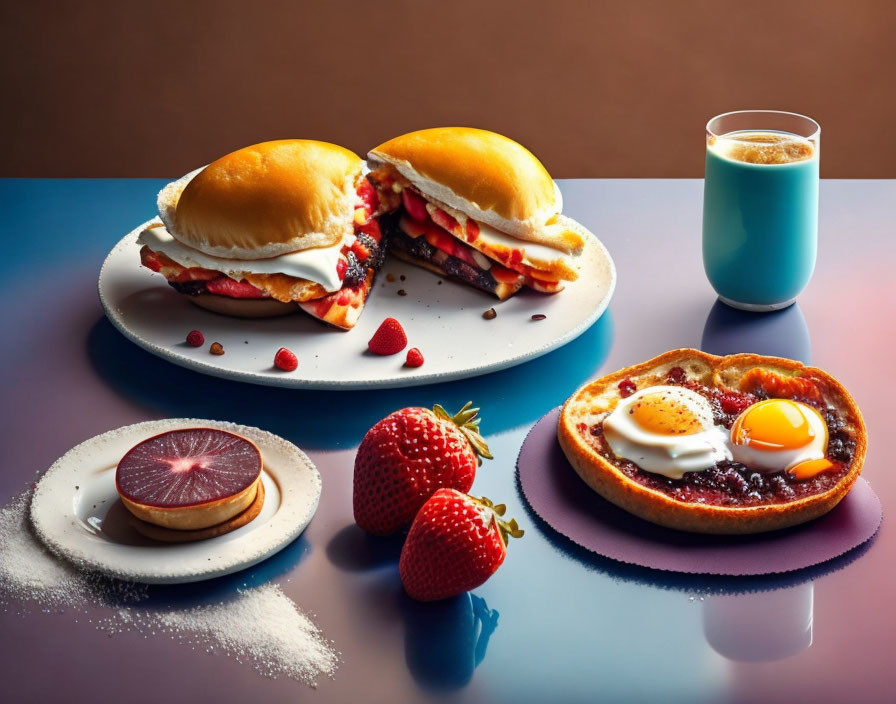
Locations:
{"points": [[318, 264]]}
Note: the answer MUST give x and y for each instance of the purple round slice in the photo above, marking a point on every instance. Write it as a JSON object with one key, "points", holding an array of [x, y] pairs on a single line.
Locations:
{"points": [[187, 467]]}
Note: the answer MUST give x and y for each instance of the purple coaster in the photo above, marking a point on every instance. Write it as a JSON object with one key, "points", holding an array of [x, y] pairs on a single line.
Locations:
{"points": [[557, 494]]}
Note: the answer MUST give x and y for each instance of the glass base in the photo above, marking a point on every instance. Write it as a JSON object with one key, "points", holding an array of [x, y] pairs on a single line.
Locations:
{"points": [[757, 307]]}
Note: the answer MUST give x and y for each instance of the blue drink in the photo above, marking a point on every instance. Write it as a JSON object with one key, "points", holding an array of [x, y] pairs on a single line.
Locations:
{"points": [[760, 216]]}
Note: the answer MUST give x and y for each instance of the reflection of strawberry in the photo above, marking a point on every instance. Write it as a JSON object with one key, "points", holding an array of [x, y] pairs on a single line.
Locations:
{"points": [[446, 640], [456, 542], [407, 456]]}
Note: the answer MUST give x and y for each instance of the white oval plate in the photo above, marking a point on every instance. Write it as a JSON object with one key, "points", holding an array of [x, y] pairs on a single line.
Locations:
{"points": [[443, 319], [76, 511]]}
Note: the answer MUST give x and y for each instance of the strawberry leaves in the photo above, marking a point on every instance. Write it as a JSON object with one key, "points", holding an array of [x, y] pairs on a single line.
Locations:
{"points": [[467, 420]]}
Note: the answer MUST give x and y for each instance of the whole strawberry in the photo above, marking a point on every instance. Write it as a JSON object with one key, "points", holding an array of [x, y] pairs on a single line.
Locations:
{"points": [[456, 542], [407, 456]]}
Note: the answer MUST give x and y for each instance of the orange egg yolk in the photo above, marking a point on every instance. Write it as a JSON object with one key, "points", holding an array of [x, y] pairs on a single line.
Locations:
{"points": [[775, 424], [659, 414]]}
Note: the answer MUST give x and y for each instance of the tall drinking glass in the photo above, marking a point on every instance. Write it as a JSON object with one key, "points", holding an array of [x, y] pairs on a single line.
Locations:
{"points": [[760, 207]]}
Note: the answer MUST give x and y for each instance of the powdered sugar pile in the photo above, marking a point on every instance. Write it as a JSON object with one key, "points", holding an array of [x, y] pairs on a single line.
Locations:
{"points": [[27, 570], [260, 625]]}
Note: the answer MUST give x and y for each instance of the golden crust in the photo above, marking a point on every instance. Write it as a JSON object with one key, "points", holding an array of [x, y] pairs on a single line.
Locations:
{"points": [[591, 403], [195, 517], [171, 535], [269, 199], [488, 176]]}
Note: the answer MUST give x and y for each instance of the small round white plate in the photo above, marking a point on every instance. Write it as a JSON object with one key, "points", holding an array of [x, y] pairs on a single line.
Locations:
{"points": [[76, 511], [441, 318]]}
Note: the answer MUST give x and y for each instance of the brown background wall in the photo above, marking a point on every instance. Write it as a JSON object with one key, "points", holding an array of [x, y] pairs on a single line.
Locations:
{"points": [[605, 89]]}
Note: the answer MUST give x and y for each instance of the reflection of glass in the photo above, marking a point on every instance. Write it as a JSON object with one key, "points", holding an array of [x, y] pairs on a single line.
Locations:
{"points": [[446, 640], [760, 627], [783, 333], [760, 206]]}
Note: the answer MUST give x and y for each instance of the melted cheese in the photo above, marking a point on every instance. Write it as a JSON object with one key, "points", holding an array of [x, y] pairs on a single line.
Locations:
{"points": [[317, 265]]}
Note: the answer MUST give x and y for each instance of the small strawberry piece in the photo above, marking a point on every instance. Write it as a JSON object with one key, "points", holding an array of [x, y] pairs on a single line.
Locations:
{"points": [[195, 338], [361, 252], [368, 196], [286, 360], [443, 219], [372, 228], [341, 268], [414, 358], [440, 239], [472, 230], [225, 286], [627, 388], [676, 375], [456, 543], [414, 205], [389, 338], [406, 457], [734, 403]]}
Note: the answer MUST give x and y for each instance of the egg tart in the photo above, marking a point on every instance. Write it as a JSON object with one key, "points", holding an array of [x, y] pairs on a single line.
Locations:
{"points": [[697, 442]]}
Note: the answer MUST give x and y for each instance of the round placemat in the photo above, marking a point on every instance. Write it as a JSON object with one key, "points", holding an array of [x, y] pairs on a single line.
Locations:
{"points": [[557, 495]]}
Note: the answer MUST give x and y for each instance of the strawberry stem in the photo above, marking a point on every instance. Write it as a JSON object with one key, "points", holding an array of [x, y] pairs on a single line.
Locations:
{"points": [[467, 420], [508, 529]]}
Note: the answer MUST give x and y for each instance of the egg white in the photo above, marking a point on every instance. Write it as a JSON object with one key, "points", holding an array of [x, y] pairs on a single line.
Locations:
{"points": [[669, 455]]}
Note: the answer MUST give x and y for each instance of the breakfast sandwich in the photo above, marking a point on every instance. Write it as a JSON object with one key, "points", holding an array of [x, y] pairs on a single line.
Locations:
{"points": [[735, 444], [477, 207], [271, 229]]}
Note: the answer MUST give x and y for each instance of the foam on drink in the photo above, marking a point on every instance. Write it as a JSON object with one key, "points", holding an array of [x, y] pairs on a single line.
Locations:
{"points": [[763, 147]]}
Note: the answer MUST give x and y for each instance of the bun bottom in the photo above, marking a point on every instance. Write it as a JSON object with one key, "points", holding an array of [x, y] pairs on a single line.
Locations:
{"points": [[243, 307]]}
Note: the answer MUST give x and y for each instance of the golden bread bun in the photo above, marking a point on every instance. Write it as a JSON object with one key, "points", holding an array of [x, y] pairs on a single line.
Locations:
{"points": [[265, 200], [591, 404], [485, 175], [195, 517]]}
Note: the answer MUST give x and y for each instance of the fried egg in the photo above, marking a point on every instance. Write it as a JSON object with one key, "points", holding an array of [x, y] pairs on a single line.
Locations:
{"points": [[777, 435], [666, 430]]}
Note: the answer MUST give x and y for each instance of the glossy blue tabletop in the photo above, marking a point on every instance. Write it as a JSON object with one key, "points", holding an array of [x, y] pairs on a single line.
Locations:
{"points": [[555, 623]]}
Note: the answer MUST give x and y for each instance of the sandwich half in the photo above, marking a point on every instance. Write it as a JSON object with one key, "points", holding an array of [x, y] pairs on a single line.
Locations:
{"points": [[477, 207], [271, 229]]}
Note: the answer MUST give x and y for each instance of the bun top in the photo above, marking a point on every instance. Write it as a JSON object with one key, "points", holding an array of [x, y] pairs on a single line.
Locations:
{"points": [[265, 200], [485, 175]]}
